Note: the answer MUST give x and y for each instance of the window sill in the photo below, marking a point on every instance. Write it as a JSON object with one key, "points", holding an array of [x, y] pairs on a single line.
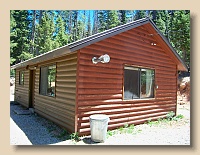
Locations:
{"points": [[48, 96], [142, 99]]}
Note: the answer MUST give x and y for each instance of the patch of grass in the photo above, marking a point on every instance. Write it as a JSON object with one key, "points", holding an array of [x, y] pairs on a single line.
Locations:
{"points": [[122, 130], [169, 118], [149, 122], [126, 129], [176, 118], [130, 129], [170, 115], [109, 133], [75, 136]]}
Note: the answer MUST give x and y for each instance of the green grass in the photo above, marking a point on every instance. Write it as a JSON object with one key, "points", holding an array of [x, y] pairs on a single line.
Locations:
{"points": [[126, 129], [169, 118], [130, 129], [62, 134]]}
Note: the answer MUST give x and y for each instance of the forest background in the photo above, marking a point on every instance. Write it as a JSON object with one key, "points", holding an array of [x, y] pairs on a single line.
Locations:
{"points": [[34, 32]]}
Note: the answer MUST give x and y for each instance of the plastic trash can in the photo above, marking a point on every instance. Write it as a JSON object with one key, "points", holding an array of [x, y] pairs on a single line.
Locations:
{"points": [[98, 127]]}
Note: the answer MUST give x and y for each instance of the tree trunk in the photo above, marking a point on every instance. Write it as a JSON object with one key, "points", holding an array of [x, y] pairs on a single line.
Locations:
{"points": [[95, 25], [33, 33], [38, 35], [154, 15]]}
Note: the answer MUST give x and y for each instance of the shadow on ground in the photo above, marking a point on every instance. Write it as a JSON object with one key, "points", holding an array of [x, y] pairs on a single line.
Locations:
{"points": [[38, 130], [88, 140]]}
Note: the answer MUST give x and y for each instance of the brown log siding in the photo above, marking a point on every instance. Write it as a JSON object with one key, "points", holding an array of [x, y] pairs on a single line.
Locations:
{"points": [[100, 88], [61, 108], [22, 91]]}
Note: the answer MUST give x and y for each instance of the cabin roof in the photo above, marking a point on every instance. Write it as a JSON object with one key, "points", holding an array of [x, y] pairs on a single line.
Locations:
{"points": [[101, 36]]}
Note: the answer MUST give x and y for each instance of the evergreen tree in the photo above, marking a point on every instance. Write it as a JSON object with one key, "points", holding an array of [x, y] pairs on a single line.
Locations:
{"points": [[95, 22], [46, 31], [108, 19], [34, 32], [112, 19], [180, 34], [85, 25], [160, 21], [32, 17], [74, 25], [70, 26], [13, 44], [19, 36], [140, 14], [61, 37], [102, 17], [79, 30], [40, 14], [89, 29], [122, 16]]}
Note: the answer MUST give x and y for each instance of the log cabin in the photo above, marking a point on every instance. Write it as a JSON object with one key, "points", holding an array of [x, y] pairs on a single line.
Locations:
{"points": [[128, 73]]}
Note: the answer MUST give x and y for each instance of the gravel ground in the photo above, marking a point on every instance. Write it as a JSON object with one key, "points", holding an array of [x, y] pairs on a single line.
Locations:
{"points": [[32, 129], [165, 133]]}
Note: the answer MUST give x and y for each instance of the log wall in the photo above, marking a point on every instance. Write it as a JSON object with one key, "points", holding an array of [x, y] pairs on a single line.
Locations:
{"points": [[61, 108], [100, 86], [22, 91]]}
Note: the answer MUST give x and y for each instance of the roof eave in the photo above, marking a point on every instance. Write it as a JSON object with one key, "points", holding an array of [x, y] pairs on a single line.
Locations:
{"points": [[43, 57]]}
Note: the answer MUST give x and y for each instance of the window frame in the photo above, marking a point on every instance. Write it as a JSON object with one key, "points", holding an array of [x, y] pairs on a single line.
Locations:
{"points": [[132, 67], [21, 78], [40, 93]]}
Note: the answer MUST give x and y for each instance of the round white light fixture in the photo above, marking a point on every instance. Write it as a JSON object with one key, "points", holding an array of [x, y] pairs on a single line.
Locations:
{"points": [[103, 59]]}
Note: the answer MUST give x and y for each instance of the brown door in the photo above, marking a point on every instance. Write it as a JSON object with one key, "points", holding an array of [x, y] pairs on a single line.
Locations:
{"points": [[31, 88]]}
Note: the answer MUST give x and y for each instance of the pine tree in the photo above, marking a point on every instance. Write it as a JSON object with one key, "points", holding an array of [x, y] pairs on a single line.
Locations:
{"points": [[20, 36], [122, 16], [107, 19], [160, 21], [12, 36], [61, 37], [32, 15], [46, 31], [79, 30], [89, 29], [102, 17], [74, 25], [112, 19], [70, 26], [84, 33], [140, 14], [180, 34], [37, 31], [95, 22], [40, 12]]}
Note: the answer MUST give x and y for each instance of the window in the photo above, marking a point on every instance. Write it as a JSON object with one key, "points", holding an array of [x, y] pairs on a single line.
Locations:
{"points": [[138, 83], [21, 77], [47, 80]]}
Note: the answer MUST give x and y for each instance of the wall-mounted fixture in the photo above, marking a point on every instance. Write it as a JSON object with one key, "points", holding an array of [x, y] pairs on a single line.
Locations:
{"points": [[153, 44], [103, 59]]}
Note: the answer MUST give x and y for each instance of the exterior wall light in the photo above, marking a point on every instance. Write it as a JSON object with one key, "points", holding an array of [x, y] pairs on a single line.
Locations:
{"points": [[153, 44], [103, 59]]}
